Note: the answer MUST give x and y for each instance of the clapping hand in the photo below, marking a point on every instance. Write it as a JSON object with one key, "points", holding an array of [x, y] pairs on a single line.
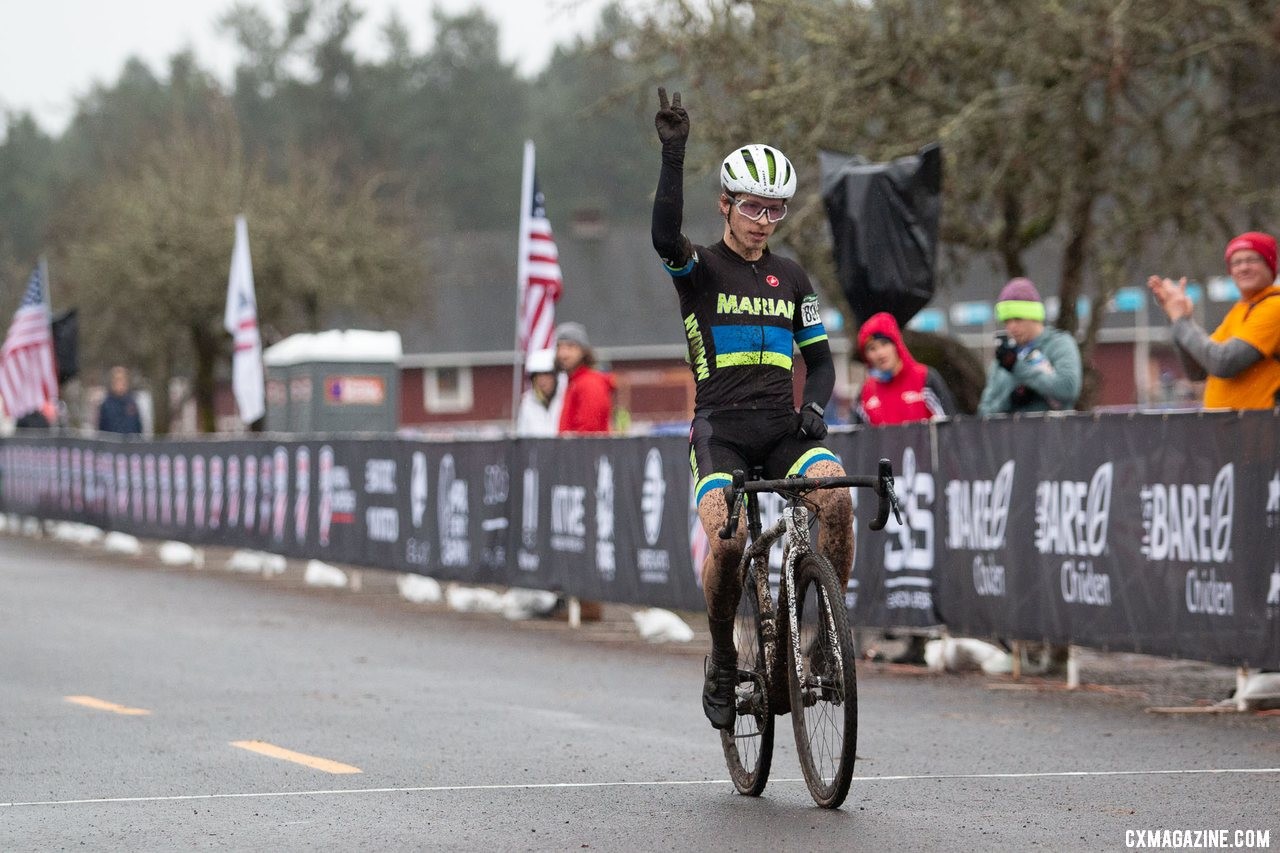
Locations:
{"points": [[1171, 296], [671, 121]]}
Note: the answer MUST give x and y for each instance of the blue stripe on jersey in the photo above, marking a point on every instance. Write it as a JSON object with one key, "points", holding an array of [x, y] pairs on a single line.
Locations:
{"points": [[734, 339], [811, 335], [681, 271]]}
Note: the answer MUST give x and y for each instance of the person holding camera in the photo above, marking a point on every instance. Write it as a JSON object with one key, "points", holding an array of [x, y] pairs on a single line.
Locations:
{"points": [[1036, 369]]}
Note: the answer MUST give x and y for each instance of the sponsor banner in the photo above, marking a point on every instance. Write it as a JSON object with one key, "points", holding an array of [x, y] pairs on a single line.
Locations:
{"points": [[1148, 533], [985, 586], [893, 581]]}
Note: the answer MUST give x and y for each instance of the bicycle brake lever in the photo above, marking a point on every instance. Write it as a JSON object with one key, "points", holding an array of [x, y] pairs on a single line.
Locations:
{"points": [[893, 499], [888, 499]]}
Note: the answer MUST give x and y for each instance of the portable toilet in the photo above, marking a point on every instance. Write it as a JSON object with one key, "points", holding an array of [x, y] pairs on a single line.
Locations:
{"points": [[334, 381]]}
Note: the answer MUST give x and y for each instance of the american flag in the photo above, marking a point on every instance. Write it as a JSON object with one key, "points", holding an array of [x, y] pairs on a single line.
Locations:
{"points": [[28, 378], [538, 266]]}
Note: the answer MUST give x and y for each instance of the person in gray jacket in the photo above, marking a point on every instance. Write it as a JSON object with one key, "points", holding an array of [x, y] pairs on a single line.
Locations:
{"points": [[1036, 369]]}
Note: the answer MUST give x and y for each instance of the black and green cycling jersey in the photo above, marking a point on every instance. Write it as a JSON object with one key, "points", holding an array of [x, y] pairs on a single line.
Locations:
{"points": [[743, 320]]}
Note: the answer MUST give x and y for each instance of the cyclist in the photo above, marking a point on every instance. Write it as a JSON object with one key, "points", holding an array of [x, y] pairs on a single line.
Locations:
{"points": [[745, 309]]}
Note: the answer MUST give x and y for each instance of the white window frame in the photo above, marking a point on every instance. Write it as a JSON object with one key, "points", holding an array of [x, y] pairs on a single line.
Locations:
{"points": [[442, 402]]}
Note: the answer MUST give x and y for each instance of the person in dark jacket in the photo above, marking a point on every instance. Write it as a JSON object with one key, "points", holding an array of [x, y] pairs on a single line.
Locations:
{"points": [[119, 410], [898, 389]]}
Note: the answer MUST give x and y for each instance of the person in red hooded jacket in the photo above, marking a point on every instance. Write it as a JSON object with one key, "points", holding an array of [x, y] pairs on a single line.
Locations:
{"points": [[588, 398], [898, 389]]}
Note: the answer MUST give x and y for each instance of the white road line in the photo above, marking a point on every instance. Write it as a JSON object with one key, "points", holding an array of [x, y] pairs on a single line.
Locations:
{"points": [[1069, 774]]}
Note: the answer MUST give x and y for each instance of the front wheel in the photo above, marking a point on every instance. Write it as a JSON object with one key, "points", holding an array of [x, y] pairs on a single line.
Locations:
{"points": [[824, 688], [748, 749]]}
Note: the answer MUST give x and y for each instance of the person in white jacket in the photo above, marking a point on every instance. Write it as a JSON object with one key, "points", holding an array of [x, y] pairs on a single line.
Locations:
{"points": [[539, 414]]}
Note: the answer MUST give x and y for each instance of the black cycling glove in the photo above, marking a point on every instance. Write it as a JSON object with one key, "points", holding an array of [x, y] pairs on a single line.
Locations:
{"points": [[671, 121], [810, 423]]}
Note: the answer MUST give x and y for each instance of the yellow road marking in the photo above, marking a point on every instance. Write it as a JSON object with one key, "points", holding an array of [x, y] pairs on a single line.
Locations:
{"points": [[273, 751], [103, 705]]}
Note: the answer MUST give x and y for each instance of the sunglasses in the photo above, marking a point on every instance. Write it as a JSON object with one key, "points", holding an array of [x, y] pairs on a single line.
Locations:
{"points": [[753, 209]]}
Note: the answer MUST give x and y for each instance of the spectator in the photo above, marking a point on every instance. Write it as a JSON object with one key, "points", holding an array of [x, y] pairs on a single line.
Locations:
{"points": [[588, 397], [119, 410], [898, 389], [1240, 361], [45, 417], [1036, 369], [539, 415]]}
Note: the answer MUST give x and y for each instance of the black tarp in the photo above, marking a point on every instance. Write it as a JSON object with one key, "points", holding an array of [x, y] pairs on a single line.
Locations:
{"points": [[884, 227]]}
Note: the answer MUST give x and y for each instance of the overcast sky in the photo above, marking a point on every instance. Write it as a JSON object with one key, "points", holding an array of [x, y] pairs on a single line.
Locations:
{"points": [[52, 51]]}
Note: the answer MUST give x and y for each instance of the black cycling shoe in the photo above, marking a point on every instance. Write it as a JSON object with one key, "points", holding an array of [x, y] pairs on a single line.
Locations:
{"points": [[718, 694]]}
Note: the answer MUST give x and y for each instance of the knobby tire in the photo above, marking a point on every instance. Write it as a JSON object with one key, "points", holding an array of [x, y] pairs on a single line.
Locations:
{"points": [[748, 749], [824, 693]]}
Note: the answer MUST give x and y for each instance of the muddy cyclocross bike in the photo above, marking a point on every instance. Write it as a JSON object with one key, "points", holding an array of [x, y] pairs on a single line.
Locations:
{"points": [[797, 657]]}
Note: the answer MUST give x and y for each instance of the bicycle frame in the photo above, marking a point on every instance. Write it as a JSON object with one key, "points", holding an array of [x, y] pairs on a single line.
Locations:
{"points": [[794, 526]]}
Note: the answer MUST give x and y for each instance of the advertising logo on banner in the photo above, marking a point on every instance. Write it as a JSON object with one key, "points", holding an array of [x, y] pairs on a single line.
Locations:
{"points": [[64, 473], [250, 491], [166, 490], [215, 492], [454, 513], [337, 502], [653, 562], [135, 486], [152, 483], [1273, 524], [568, 518], [265, 498], [198, 491], [417, 547], [527, 556], [1071, 521], [977, 517], [122, 485], [77, 492], [180, 490], [381, 522], [1190, 524], [302, 492], [606, 563], [908, 547], [493, 527], [280, 515], [233, 492]]}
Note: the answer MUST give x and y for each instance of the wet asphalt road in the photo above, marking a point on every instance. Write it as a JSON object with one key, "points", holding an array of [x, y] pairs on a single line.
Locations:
{"points": [[473, 733]]}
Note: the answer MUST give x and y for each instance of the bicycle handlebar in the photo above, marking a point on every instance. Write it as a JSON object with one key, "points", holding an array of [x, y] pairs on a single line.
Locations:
{"points": [[881, 483]]}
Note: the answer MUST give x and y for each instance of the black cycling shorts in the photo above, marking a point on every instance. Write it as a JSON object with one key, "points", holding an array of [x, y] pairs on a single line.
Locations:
{"points": [[722, 442]]}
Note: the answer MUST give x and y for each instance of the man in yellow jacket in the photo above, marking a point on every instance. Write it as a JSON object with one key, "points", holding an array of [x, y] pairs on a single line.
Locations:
{"points": [[1240, 361]]}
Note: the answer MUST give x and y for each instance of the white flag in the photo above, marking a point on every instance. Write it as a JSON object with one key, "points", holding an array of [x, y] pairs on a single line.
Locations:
{"points": [[241, 321]]}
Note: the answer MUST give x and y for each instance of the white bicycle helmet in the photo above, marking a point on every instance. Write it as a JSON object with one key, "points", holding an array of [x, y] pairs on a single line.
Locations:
{"points": [[759, 170]]}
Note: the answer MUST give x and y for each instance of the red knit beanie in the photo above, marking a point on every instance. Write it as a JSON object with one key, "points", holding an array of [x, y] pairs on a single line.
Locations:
{"points": [[1263, 244]]}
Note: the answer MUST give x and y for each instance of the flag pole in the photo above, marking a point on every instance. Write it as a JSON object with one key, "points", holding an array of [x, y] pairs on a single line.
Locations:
{"points": [[522, 279], [43, 263]]}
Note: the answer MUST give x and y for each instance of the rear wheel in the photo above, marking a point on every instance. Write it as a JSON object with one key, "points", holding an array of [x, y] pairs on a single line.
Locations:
{"points": [[748, 749], [824, 689]]}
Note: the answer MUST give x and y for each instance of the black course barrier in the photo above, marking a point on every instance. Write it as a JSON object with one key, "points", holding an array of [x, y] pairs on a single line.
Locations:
{"points": [[1154, 533]]}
